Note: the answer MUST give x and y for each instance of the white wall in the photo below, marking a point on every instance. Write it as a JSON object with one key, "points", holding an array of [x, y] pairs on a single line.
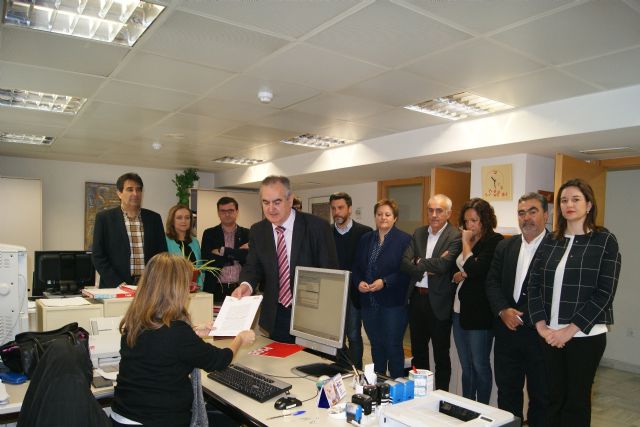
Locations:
{"points": [[364, 197], [529, 173], [63, 193], [623, 340]]}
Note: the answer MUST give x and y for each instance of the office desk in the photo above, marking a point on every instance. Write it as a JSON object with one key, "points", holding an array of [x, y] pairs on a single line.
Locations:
{"points": [[254, 413]]}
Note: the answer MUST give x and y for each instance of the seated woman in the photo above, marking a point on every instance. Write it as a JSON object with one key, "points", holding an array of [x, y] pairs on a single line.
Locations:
{"points": [[180, 237], [159, 349], [383, 288], [472, 317]]}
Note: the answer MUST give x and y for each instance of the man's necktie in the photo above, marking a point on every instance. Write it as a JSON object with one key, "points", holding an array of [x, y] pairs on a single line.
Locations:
{"points": [[284, 296]]}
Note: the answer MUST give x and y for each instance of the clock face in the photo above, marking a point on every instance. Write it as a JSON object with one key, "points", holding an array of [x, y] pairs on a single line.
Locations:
{"points": [[496, 182]]}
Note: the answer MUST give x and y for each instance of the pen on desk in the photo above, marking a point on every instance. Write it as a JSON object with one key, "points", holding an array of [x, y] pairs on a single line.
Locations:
{"points": [[287, 415]]}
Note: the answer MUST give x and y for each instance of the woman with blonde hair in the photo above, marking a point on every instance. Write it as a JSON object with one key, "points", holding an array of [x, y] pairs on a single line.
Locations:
{"points": [[159, 349]]}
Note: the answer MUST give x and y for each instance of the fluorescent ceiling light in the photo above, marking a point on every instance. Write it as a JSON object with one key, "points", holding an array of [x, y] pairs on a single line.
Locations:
{"points": [[606, 150], [41, 101], [25, 139], [315, 141], [112, 21], [238, 161], [459, 106]]}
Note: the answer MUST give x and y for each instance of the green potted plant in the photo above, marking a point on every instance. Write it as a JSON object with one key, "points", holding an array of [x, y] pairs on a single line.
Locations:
{"points": [[184, 182]]}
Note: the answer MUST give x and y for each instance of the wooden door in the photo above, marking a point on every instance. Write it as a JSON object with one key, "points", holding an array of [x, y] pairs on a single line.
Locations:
{"points": [[593, 172], [454, 184]]}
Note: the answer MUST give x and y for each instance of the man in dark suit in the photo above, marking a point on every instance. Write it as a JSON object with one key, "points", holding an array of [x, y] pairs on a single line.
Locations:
{"points": [[347, 234], [517, 351], [126, 237], [277, 245], [226, 245], [429, 260]]}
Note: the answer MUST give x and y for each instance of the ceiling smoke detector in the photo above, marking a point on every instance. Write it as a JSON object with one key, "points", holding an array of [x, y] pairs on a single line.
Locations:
{"points": [[265, 96]]}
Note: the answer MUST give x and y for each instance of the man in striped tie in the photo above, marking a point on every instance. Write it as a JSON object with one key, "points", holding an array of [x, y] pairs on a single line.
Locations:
{"points": [[283, 240]]}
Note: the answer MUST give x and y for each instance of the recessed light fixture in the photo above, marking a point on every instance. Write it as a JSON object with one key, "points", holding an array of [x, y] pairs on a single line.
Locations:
{"points": [[112, 21], [596, 151], [238, 161], [40, 101], [315, 141], [156, 145], [17, 138], [459, 106]]}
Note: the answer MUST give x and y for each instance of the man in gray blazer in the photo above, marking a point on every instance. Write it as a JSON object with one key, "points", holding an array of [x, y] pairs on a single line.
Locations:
{"points": [[429, 260]]}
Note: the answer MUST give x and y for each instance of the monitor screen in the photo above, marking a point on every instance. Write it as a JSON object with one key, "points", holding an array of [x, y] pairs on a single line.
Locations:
{"points": [[320, 298], [65, 272]]}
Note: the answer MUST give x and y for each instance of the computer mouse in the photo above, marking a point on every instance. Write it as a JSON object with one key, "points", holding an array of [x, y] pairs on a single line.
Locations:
{"points": [[287, 402]]}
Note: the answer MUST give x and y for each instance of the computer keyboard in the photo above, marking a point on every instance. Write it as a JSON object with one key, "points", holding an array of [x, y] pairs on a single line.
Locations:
{"points": [[249, 382]]}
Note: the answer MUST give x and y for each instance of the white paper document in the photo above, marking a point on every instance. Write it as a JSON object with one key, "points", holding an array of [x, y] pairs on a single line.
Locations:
{"points": [[235, 315]]}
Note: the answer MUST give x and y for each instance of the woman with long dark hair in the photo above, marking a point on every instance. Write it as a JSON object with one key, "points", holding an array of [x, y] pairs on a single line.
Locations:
{"points": [[472, 318], [573, 280]]}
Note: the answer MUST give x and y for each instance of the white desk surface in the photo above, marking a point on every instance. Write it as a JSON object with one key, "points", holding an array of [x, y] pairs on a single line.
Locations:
{"points": [[303, 388]]}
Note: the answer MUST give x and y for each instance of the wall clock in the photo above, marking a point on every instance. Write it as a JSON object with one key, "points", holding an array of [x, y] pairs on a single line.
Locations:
{"points": [[496, 182]]}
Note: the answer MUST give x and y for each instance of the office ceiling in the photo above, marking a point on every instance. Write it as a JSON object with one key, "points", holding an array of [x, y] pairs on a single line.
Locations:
{"points": [[340, 68]]}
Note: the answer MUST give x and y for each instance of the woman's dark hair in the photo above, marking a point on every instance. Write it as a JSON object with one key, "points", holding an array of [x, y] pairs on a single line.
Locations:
{"points": [[589, 196], [485, 211]]}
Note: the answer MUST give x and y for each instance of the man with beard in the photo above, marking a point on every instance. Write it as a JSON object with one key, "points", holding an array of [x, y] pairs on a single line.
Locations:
{"points": [[517, 351], [347, 234]]}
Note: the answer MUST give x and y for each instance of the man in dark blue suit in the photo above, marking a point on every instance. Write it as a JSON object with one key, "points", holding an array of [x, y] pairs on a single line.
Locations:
{"points": [[306, 241], [126, 237], [517, 351]]}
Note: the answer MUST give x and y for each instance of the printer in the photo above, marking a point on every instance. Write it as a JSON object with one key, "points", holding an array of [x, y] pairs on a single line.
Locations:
{"points": [[104, 342], [442, 409]]}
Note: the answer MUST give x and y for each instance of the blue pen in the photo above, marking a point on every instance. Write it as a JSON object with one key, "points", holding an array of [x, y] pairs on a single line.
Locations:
{"points": [[287, 415]]}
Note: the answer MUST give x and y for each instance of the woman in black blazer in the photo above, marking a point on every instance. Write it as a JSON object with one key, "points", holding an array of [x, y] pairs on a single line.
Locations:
{"points": [[573, 280], [472, 318]]}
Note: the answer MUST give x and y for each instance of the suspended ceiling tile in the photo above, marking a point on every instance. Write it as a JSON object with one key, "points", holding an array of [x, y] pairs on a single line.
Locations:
{"points": [[317, 68], [387, 34], [170, 73], [586, 30], [204, 41]]}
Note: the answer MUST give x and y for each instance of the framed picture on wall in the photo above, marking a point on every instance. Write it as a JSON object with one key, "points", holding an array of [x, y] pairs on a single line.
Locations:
{"points": [[97, 197], [320, 206], [496, 182]]}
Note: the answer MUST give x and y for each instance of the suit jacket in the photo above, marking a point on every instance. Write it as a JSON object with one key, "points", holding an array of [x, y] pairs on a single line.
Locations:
{"points": [[387, 268], [589, 281], [502, 276], [311, 246], [213, 238], [441, 291], [475, 312], [111, 249]]}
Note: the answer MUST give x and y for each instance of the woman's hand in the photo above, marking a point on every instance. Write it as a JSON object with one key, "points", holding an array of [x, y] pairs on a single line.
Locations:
{"points": [[467, 236], [558, 338], [459, 276], [363, 287], [376, 286], [204, 329], [246, 337]]}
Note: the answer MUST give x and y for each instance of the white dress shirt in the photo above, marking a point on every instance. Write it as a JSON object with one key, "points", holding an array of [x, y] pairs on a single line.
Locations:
{"points": [[432, 239], [527, 251]]}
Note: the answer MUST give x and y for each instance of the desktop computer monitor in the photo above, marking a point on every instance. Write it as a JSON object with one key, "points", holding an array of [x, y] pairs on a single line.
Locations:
{"points": [[62, 272], [320, 299]]}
